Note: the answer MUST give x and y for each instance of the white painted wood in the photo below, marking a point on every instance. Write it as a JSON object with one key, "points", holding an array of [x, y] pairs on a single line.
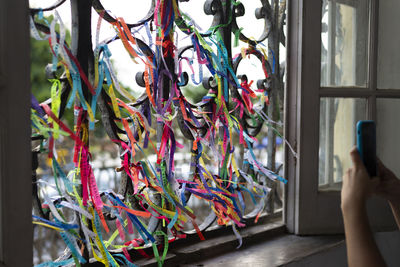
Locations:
{"points": [[389, 43], [303, 111], [388, 132], [309, 211]]}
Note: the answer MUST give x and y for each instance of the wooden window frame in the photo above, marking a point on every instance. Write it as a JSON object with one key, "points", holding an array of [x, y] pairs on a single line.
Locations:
{"points": [[308, 210], [15, 148]]}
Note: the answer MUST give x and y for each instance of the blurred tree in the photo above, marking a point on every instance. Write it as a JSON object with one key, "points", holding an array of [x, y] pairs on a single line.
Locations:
{"points": [[40, 57], [194, 93]]}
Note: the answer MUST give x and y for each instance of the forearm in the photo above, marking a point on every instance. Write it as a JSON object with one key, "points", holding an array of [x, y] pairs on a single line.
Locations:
{"points": [[361, 247], [396, 212]]}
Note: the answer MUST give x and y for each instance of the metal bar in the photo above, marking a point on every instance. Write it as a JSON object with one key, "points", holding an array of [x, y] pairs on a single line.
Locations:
{"points": [[163, 56], [273, 45], [82, 49], [82, 37], [226, 33]]}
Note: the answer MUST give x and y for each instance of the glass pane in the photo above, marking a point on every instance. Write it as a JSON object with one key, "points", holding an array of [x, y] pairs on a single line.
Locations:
{"points": [[344, 43], [388, 132], [338, 118], [389, 43]]}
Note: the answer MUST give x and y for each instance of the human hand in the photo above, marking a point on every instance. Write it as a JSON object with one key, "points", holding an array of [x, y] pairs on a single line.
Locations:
{"points": [[357, 186], [389, 186]]}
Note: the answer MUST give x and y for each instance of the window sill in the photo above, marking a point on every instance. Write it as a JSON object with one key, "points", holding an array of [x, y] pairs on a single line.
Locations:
{"points": [[263, 245]]}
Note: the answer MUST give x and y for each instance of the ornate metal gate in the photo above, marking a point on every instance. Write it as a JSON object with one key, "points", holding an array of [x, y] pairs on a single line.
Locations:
{"points": [[151, 205]]}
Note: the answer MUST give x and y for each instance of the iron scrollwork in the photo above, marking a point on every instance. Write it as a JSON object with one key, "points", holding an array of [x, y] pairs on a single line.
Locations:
{"points": [[162, 98]]}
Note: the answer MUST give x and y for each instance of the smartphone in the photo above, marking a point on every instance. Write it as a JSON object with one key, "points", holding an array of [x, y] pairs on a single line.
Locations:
{"points": [[366, 145]]}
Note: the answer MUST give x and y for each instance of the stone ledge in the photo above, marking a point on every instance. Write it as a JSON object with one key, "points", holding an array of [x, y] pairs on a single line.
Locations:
{"points": [[277, 251], [218, 245]]}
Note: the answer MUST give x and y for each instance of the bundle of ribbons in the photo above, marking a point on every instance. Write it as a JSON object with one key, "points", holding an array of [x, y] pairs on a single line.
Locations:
{"points": [[158, 194]]}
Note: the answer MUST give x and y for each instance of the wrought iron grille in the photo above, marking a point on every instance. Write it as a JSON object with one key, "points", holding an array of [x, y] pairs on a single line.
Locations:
{"points": [[151, 202]]}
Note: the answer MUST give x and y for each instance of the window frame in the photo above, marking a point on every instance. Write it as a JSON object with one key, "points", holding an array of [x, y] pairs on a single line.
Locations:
{"points": [[308, 210], [15, 153]]}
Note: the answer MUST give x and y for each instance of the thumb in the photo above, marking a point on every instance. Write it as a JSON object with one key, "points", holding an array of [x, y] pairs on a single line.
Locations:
{"points": [[355, 157]]}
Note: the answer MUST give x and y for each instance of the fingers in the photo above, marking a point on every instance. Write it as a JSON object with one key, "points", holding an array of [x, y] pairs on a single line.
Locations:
{"points": [[355, 157], [384, 172]]}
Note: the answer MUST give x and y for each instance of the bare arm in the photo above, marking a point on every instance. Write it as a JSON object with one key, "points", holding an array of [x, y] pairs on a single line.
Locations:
{"points": [[361, 246], [357, 186]]}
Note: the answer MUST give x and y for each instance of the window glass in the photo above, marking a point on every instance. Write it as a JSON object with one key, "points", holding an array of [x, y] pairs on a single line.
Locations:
{"points": [[389, 43], [344, 48], [338, 118], [388, 132]]}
